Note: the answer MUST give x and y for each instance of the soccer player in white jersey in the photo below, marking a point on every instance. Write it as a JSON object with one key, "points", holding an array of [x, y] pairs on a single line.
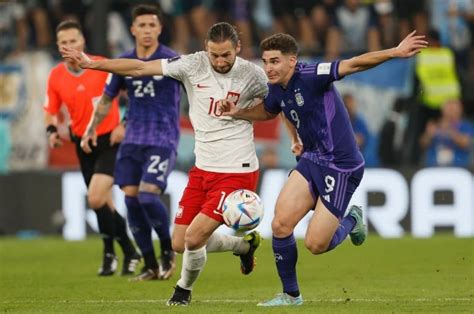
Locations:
{"points": [[225, 152]]}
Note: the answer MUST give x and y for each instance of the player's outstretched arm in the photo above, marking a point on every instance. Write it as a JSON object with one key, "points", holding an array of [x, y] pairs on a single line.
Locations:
{"points": [[408, 47], [254, 113], [126, 67]]}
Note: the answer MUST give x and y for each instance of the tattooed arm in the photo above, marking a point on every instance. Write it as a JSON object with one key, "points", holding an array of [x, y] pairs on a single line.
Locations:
{"points": [[100, 112]]}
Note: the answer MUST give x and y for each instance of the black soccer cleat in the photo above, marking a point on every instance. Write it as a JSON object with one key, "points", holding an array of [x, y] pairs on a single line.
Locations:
{"points": [[181, 297], [130, 264], [109, 265], [247, 260]]}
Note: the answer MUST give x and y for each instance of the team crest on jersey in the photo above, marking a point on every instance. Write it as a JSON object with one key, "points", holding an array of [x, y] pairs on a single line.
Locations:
{"points": [[299, 99], [233, 97]]}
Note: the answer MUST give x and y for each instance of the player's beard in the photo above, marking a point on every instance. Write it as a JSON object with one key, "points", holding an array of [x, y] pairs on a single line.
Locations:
{"points": [[223, 70]]}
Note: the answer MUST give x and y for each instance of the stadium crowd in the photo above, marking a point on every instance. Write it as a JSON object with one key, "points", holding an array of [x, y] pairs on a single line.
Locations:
{"points": [[425, 128]]}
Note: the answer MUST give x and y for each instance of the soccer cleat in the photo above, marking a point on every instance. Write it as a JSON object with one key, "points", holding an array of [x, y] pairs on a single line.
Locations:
{"points": [[109, 265], [247, 260], [147, 274], [130, 264], [181, 297], [167, 266], [283, 299], [359, 232]]}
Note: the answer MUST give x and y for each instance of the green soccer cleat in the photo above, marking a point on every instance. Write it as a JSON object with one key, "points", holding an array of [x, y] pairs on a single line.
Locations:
{"points": [[247, 260], [283, 299], [359, 233]]}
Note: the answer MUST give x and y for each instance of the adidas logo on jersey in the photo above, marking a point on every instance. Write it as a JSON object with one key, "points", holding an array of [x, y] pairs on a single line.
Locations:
{"points": [[80, 88], [327, 198]]}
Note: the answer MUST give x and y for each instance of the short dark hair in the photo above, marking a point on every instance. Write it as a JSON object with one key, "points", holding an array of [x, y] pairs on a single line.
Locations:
{"points": [[143, 9], [282, 42], [433, 35], [68, 24], [221, 32]]}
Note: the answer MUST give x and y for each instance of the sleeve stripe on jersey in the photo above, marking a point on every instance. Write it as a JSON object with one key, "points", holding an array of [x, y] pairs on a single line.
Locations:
{"points": [[335, 69], [308, 70]]}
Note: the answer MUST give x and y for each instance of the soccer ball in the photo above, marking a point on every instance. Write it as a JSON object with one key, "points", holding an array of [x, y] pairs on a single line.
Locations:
{"points": [[242, 210]]}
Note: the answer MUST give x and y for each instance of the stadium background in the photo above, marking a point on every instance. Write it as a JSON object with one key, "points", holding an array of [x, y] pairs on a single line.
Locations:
{"points": [[35, 181]]}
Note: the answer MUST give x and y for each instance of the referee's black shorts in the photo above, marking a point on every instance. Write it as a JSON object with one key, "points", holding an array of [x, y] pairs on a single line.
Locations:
{"points": [[100, 160]]}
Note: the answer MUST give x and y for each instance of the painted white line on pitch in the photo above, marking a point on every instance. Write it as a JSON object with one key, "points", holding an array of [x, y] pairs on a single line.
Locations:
{"points": [[238, 301]]}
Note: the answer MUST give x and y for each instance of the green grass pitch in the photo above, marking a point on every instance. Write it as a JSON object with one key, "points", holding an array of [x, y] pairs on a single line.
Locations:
{"points": [[433, 275]]}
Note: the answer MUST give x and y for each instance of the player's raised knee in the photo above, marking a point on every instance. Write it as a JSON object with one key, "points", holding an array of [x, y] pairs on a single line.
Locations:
{"points": [[315, 247]]}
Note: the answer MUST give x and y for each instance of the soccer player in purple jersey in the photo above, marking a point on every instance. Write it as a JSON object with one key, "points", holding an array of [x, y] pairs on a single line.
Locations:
{"points": [[148, 152], [331, 166]]}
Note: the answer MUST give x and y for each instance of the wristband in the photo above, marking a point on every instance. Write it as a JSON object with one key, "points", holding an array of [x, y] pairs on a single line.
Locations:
{"points": [[50, 129]]}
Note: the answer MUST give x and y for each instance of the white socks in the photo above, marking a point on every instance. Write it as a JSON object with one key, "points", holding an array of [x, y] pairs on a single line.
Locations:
{"points": [[222, 242], [193, 263]]}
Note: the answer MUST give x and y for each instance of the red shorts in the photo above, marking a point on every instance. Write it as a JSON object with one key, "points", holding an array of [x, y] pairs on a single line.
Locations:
{"points": [[206, 191]]}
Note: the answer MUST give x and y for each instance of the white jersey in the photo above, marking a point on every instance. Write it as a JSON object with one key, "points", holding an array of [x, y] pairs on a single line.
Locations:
{"points": [[222, 143]]}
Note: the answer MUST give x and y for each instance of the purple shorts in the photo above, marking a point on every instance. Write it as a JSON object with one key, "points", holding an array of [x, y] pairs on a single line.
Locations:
{"points": [[334, 187], [150, 164]]}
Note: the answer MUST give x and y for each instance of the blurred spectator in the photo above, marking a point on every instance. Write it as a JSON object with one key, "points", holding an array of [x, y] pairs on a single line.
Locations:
{"points": [[262, 19], [392, 135], [61, 10], [388, 24], [447, 141], [451, 19], [119, 38], [238, 13], [23, 27], [411, 15], [354, 30], [306, 33], [41, 27], [322, 17], [436, 73], [359, 126], [306, 20], [283, 18], [437, 82], [13, 29], [191, 21]]}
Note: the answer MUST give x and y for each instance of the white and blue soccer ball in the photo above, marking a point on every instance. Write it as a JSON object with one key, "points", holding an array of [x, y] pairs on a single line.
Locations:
{"points": [[242, 210]]}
